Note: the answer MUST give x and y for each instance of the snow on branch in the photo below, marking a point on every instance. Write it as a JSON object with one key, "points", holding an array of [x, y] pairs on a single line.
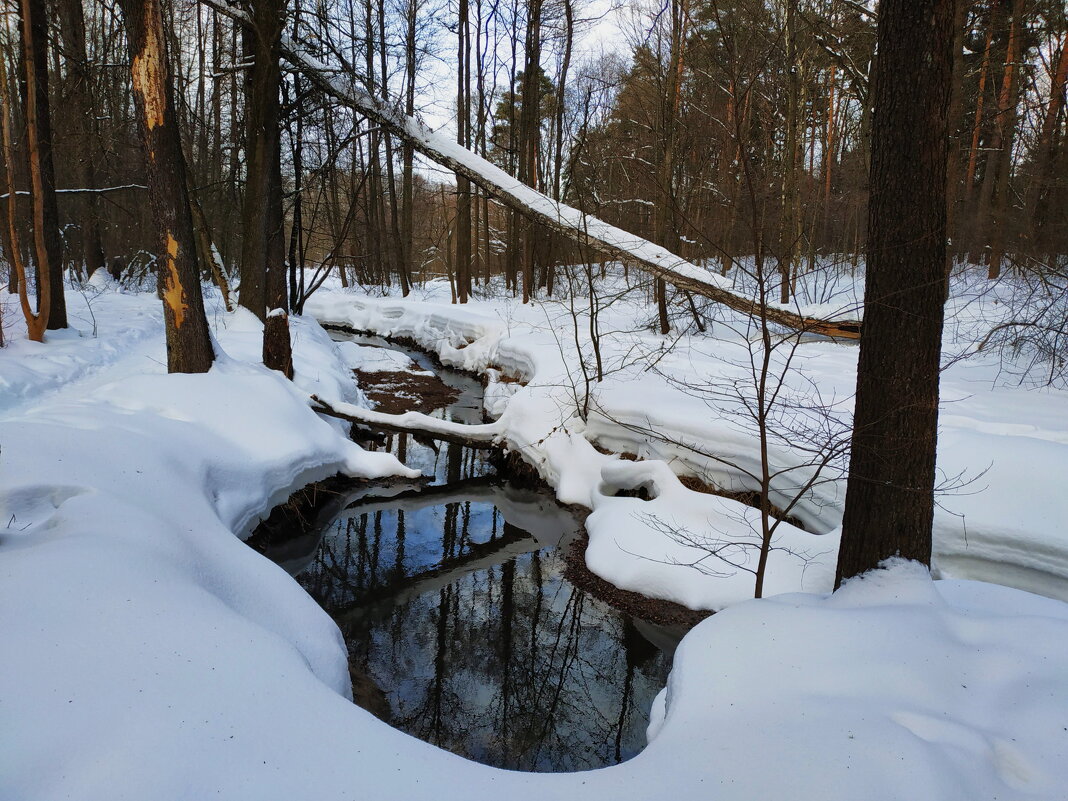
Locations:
{"points": [[586, 230], [473, 436], [100, 191]]}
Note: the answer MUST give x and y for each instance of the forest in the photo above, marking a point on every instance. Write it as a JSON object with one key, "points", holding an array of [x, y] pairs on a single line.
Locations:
{"points": [[563, 398]]}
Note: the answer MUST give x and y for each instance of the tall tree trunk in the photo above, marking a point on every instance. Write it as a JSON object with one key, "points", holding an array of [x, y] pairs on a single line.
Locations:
{"points": [[529, 134], [407, 255], [252, 293], [956, 104], [993, 194], [36, 323], [188, 344], [665, 220], [264, 234], [34, 30], [463, 136], [83, 141], [790, 217], [1045, 150], [889, 506]]}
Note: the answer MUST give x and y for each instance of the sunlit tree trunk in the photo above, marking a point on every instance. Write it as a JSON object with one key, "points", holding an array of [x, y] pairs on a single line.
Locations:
{"points": [[72, 31], [34, 29], [665, 220], [36, 323]]}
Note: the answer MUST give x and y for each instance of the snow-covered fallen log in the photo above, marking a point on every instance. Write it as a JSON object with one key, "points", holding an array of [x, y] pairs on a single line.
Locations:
{"points": [[415, 423], [81, 191], [588, 231]]}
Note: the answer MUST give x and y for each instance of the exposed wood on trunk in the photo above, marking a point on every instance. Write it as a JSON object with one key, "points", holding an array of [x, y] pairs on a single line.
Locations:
{"points": [[189, 347]]}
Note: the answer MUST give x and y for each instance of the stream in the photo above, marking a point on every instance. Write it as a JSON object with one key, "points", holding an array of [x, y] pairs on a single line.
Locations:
{"points": [[461, 627]]}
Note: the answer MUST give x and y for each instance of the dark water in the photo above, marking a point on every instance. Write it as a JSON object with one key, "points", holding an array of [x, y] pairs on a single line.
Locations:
{"points": [[463, 631]]}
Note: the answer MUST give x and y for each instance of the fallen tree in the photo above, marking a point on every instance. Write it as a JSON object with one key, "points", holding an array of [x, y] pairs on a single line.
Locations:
{"points": [[416, 423], [590, 232]]}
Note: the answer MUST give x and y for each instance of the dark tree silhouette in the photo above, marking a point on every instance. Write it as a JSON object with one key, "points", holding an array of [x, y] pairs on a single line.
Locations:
{"points": [[890, 492]]}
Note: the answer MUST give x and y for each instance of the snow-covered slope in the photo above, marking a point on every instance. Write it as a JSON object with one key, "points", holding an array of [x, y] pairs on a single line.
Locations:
{"points": [[149, 654]]}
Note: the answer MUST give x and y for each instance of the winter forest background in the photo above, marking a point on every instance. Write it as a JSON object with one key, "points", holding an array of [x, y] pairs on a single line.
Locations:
{"points": [[718, 129], [672, 392]]}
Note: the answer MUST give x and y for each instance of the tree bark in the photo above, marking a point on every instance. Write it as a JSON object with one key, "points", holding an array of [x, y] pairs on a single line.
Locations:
{"points": [[997, 200], [1045, 151], [36, 323], [72, 31], [529, 134], [463, 138], [264, 234], [34, 29], [890, 491], [189, 347]]}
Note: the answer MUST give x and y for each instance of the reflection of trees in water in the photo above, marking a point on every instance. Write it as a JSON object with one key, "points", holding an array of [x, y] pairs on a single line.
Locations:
{"points": [[508, 663]]}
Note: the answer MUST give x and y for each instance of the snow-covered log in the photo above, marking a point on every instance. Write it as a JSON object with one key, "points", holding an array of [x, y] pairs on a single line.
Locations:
{"points": [[103, 190], [415, 423], [587, 231]]}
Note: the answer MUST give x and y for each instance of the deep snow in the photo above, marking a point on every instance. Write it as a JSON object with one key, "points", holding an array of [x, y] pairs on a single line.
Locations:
{"points": [[150, 654]]}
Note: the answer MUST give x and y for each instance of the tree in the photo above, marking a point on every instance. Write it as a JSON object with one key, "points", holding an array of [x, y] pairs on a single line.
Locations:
{"points": [[263, 248], [36, 323], [889, 505], [72, 31], [188, 343], [34, 29]]}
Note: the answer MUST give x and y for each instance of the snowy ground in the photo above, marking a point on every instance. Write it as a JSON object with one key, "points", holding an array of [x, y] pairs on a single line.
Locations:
{"points": [[150, 654], [1003, 449]]}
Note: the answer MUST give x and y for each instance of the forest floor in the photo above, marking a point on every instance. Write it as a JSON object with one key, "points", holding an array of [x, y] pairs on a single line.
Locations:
{"points": [[151, 654]]}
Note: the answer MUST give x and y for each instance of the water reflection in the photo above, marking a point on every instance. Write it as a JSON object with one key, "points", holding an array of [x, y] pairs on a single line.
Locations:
{"points": [[461, 627], [465, 623]]}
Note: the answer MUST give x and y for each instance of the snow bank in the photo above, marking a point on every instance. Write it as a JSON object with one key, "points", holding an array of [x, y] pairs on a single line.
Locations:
{"points": [[895, 687], [150, 654], [1002, 449], [631, 543], [122, 499]]}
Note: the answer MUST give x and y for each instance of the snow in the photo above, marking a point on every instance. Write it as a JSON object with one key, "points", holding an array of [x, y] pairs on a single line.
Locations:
{"points": [[945, 690], [150, 654], [372, 359], [1002, 449]]}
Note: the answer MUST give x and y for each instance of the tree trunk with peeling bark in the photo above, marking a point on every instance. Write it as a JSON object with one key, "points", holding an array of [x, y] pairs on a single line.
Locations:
{"points": [[189, 347]]}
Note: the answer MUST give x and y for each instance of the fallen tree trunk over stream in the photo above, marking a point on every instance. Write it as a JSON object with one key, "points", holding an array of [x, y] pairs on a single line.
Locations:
{"points": [[590, 232], [479, 437]]}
